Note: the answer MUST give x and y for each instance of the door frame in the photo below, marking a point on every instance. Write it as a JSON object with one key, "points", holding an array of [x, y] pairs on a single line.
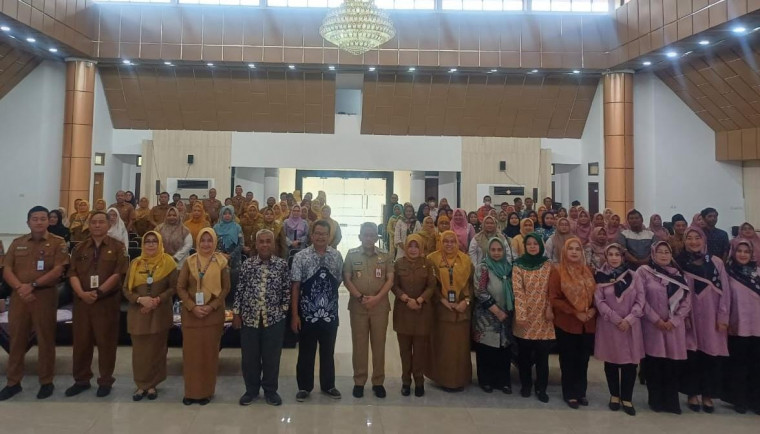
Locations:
{"points": [[387, 176]]}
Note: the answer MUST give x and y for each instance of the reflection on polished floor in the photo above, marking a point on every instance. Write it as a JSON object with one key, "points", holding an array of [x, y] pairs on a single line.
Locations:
{"points": [[438, 412]]}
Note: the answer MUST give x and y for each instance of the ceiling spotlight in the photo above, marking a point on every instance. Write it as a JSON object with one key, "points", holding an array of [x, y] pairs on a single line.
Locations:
{"points": [[53, 50], [5, 28], [453, 70], [534, 71], [704, 42], [331, 68], [412, 69], [739, 30], [372, 69], [647, 63], [292, 66], [671, 54], [32, 40], [210, 65], [494, 70], [126, 62], [168, 63], [575, 71], [252, 66]]}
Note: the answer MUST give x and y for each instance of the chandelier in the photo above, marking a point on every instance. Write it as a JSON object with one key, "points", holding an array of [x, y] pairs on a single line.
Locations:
{"points": [[357, 26]]}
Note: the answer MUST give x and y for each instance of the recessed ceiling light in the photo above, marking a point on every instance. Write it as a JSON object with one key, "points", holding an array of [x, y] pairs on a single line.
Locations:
{"points": [[32, 40], [331, 68], [168, 63], [575, 71], [453, 70], [292, 66], [647, 63], [739, 29], [210, 64], [252, 66], [494, 70], [5, 28], [372, 69], [704, 42], [126, 62], [412, 69], [671, 54], [53, 50]]}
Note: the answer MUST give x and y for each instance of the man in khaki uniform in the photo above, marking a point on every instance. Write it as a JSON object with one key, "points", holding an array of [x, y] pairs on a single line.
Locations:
{"points": [[126, 210], [368, 275], [238, 201], [212, 205], [158, 212], [98, 265], [33, 267]]}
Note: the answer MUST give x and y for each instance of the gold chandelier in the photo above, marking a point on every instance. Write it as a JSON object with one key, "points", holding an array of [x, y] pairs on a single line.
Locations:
{"points": [[357, 26]]}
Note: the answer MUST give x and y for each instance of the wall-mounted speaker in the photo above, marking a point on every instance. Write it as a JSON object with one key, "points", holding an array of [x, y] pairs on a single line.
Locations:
{"points": [[190, 158], [158, 187], [502, 166]]}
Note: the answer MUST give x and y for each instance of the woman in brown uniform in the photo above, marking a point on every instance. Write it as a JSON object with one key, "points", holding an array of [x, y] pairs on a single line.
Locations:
{"points": [[204, 283], [412, 313], [79, 222], [142, 223], [251, 222], [149, 287]]}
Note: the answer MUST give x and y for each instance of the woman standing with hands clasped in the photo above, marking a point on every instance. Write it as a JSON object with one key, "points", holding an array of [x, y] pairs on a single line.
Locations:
{"points": [[203, 285]]}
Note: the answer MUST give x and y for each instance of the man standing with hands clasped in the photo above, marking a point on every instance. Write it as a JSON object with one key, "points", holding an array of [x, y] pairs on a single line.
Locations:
{"points": [[368, 276], [98, 265]]}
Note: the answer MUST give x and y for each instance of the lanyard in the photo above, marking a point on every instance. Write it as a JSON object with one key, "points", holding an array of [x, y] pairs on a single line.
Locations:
{"points": [[451, 271], [202, 273]]}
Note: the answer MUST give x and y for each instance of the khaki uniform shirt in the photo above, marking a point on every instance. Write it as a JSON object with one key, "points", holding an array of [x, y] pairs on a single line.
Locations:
{"points": [[93, 266], [212, 207], [126, 212], [158, 214], [369, 274], [29, 260], [238, 202]]}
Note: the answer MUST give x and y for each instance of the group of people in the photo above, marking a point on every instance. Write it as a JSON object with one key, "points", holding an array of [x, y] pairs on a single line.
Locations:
{"points": [[516, 283]]}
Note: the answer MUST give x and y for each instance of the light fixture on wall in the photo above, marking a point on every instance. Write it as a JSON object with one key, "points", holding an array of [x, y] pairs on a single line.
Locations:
{"points": [[139, 161], [593, 169], [357, 26], [552, 169], [100, 159]]}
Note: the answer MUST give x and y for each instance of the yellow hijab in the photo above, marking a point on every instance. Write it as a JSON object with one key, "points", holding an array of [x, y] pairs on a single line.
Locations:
{"points": [[194, 225], [211, 283], [453, 270], [78, 219], [143, 208], [159, 265]]}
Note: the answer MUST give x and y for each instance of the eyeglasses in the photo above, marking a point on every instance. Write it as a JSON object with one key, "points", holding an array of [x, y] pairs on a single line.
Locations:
{"points": [[150, 242]]}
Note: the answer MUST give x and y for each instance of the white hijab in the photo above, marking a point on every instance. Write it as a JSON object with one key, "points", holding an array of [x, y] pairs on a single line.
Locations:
{"points": [[118, 231]]}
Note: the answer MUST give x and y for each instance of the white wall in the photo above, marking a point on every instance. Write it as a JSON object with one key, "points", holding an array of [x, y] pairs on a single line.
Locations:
{"points": [[31, 138], [251, 179], [102, 141], [674, 158]]}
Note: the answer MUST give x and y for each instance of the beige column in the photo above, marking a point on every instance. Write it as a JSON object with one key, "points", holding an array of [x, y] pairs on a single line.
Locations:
{"points": [[77, 132], [618, 142]]}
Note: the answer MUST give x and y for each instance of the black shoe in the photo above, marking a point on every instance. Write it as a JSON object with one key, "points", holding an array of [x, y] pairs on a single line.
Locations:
{"points": [[379, 391], [406, 390], [247, 399], [694, 407], [358, 391], [272, 398], [152, 395], [740, 409], [709, 409], [76, 389], [332, 393], [45, 391], [9, 392], [507, 390], [419, 391], [573, 403], [138, 396], [614, 406], [583, 401], [543, 397], [302, 395], [103, 391], [629, 410], [188, 401], [525, 393], [452, 389], [486, 388], [203, 401]]}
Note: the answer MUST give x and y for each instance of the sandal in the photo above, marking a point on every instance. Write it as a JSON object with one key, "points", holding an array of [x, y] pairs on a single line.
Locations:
{"points": [[152, 394], [139, 395]]}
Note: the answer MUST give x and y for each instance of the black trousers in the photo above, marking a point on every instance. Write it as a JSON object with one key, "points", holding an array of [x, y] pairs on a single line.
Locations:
{"points": [[493, 366], [744, 376], [620, 380], [311, 335], [702, 375], [530, 352], [662, 383], [574, 353], [261, 349]]}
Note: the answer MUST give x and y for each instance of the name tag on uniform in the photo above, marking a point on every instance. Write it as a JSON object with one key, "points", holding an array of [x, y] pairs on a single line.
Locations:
{"points": [[94, 282], [40, 265], [199, 299], [378, 272]]}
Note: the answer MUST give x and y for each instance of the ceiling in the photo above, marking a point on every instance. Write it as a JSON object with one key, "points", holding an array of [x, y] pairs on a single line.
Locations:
{"points": [[487, 105], [219, 99], [15, 64]]}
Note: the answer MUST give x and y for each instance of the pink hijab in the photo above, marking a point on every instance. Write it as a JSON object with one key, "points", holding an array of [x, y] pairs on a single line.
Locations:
{"points": [[753, 240], [612, 233], [583, 231], [659, 231], [462, 229]]}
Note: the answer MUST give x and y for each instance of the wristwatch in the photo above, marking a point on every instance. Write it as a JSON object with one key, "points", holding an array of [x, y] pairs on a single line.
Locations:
{"points": [[467, 300], [34, 285]]}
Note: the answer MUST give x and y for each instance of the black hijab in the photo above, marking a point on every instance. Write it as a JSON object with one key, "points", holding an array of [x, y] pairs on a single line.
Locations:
{"points": [[511, 230], [420, 212], [59, 229]]}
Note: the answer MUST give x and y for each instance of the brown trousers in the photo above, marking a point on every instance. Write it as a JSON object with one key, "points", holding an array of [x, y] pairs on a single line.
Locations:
{"points": [[200, 360], [149, 359], [40, 316], [368, 330], [414, 354], [96, 324]]}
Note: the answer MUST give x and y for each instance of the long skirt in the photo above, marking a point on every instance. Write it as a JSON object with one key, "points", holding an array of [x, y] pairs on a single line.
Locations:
{"points": [[149, 359], [200, 360], [449, 364]]}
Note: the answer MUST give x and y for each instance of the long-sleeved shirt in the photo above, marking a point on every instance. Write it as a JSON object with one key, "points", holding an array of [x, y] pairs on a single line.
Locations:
{"points": [[263, 293]]}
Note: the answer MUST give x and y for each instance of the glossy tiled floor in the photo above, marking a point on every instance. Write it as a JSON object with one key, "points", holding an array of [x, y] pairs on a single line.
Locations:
{"points": [[438, 412]]}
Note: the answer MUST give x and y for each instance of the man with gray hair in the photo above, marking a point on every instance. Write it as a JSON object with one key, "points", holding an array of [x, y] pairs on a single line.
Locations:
{"points": [[260, 310]]}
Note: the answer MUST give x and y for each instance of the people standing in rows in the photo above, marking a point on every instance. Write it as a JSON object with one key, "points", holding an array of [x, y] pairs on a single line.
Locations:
{"points": [[636, 240], [56, 227], [176, 237], [202, 288], [260, 312], [296, 230], [413, 288], [493, 315], [619, 341], [125, 209], [32, 267], [533, 326], [678, 238], [405, 226], [707, 336], [716, 239], [98, 267], [664, 327], [316, 274], [518, 241], [149, 287], [479, 245], [571, 294], [368, 277], [230, 237]]}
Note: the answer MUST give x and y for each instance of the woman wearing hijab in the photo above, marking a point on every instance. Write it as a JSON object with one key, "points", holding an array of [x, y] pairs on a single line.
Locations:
{"points": [[707, 337], [479, 245], [556, 242], [450, 365], [181, 210], [143, 222], [513, 226], [79, 222], [202, 287], [176, 237], [534, 217], [56, 227], [571, 294], [64, 216], [229, 235], [664, 326], [744, 329], [463, 229], [405, 226], [573, 215], [747, 233], [598, 221], [492, 318], [472, 218], [429, 236], [296, 231], [607, 214], [250, 223], [273, 225], [534, 318], [596, 248], [335, 234], [414, 285], [562, 213], [130, 198], [613, 228], [501, 221], [444, 224], [100, 205], [547, 229], [149, 287], [698, 221], [390, 228], [619, 341], [423, 211], [518, 241], [541, 211], [117, 229], [583, 227], [197, 221], [655, 225]]}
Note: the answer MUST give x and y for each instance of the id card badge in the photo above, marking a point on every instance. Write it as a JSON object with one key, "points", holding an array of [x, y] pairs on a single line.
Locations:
{"points": [[378, 272], [452, 297], [94, 282], [199, 299], [40, 265]]}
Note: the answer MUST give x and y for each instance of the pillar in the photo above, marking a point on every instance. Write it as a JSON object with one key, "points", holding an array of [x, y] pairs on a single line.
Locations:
{"points": [[618, 141], [77, 132], [271, 184], [417, 189]]}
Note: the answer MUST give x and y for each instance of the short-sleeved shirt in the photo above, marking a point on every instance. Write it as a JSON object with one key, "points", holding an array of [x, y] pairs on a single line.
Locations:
{"points": [[24, 254], [212, 207], [238, 202], [318, 302], [638, 244], [308, 261], [717, 242], [368, 273], [126, 212], [158, 213], [88, 260]]}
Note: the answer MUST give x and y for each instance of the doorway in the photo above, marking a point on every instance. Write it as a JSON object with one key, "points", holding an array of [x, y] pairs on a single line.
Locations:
{"points": [[97, 186], [593, 198]]}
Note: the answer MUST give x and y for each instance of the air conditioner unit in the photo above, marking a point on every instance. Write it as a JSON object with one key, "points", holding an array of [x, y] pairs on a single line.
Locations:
{"points": [[500, 192], [189, 186]]}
